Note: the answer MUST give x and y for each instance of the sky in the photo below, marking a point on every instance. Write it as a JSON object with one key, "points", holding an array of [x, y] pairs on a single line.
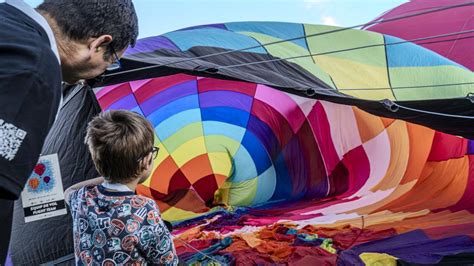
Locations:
{"points": [[160, 16]]}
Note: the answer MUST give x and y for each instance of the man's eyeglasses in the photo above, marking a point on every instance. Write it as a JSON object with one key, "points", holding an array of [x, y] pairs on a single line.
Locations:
{"points": [[154, 154], [116, 64]]}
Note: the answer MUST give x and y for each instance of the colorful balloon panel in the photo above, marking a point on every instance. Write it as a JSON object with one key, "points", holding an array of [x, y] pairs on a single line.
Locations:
{"points": [[242, 159], [362, 64], [266, 145]]}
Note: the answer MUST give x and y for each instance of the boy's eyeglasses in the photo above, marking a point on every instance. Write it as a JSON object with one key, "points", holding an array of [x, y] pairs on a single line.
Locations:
{"points": [[116, 64], [154, 154]]}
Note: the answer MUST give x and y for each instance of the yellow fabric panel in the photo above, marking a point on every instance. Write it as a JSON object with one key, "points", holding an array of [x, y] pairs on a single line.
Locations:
{"points": [[350, 76], [175, 214], [189, 150], [221, 163], [378, 259]]}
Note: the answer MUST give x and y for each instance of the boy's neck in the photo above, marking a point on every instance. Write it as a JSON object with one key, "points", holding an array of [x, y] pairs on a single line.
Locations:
{"points": [[132, 185]]}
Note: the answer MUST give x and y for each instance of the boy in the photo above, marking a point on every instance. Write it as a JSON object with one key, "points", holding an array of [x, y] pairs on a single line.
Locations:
{"points": [[112, 225]]}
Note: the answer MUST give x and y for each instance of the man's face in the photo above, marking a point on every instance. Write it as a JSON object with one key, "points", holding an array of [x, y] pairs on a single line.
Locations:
{"points": [[88, 61]]}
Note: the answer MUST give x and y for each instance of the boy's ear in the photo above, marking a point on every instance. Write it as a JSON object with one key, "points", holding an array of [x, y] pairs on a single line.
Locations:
{"points": [[150, 161], [146, 162]]}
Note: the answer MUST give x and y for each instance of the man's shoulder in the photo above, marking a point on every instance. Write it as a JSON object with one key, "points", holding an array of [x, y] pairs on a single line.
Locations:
{"points": [[24, 46]]}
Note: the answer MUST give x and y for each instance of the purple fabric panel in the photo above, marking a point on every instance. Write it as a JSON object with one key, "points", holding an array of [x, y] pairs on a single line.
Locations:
{"points": [[316, 181], [413, 247], [151, 44], [296, 166], [265, 134], [128, 102], [168, 95], [225, 99], [470, 147]]}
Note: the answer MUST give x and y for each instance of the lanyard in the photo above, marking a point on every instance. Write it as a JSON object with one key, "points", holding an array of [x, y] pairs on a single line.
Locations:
{"points": [[116, 187]]}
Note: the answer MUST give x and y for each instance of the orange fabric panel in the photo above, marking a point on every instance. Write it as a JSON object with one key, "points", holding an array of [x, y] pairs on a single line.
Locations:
{"points": [[441, 185], [191, 202], [144, 190], [369, 125], [421, 139], [387, 121], [162, 175], [431, 220], [197, 168]]}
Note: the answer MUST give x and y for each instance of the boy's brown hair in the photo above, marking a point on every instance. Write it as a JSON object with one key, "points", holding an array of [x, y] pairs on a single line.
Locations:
{"points": [[118, 140]]}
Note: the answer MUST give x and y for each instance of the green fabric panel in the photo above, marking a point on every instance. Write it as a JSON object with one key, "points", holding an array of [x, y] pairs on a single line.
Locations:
{"points": [[182, 136], [218, 143], [243, 193], [438, 75], [374, 56]]}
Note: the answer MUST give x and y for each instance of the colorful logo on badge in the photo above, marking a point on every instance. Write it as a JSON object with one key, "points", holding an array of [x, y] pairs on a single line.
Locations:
{"points": [[42, 179]]}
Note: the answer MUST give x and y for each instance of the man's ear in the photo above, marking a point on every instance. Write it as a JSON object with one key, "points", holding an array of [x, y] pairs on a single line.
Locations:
{"points": [[96, 44]]}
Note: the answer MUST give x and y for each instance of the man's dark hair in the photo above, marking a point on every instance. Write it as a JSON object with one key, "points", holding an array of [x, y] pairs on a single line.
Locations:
{"points": [[83, 19]]}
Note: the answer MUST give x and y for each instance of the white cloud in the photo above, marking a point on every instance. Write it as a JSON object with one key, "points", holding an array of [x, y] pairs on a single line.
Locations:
{"points": [[328, 20]]}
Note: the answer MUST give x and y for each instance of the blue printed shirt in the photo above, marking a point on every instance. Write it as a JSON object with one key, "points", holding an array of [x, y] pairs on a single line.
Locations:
{"points": [[118, 228]]}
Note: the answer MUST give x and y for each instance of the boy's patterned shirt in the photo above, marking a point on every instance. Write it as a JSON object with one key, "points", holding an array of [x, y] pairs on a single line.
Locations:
{"points": [[118, 228]]}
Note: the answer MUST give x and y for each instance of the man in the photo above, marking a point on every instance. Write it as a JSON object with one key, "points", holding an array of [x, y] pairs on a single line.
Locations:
{"points": [[66, 40]]}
